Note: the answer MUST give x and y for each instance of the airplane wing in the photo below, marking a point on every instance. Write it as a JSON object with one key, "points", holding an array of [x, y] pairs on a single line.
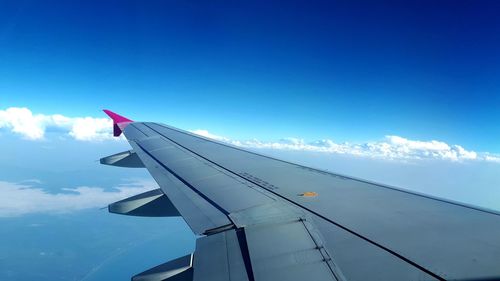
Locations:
{"points": [[261, 218]]}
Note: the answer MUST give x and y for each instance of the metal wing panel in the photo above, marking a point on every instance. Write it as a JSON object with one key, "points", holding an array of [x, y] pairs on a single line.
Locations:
{"points": [[371, 231], [199, 214], [450, 240], [219, 258], [361, 260], [287, 251], [276, 251], [229, 192], [203, 193]]}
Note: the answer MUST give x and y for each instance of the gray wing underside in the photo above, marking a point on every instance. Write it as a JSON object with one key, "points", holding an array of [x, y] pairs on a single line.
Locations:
{"points": [[255, 224]]}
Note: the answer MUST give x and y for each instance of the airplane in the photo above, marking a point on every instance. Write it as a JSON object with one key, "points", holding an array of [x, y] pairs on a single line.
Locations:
{"points": [[258, 218]]}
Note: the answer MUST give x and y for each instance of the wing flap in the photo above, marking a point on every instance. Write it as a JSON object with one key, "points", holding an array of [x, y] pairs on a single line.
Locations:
{"points": [[218, 257], [287, 251], [277, 251]]}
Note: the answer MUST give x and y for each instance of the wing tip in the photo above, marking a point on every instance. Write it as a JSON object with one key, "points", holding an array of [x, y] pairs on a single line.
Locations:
{"points": [[117, 118], [119, 122]]}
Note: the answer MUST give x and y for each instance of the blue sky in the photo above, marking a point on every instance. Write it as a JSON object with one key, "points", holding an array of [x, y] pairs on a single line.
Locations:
{"points": [[349, 71], [399, 92]]}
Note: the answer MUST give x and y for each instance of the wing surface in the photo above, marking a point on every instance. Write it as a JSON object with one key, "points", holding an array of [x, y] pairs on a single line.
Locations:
{"points": [[260, 218]]}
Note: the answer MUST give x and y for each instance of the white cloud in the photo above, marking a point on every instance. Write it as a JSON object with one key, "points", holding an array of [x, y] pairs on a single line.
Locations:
{"points": [[398, 147], [491, 158], [391, 147], [88, 128], [205, 133], [34, 126], [22, 121], [23, 198], [31, 126]]}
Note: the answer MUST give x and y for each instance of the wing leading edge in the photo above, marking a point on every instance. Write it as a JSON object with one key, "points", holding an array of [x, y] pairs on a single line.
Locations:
{"points": [[255, 223]]}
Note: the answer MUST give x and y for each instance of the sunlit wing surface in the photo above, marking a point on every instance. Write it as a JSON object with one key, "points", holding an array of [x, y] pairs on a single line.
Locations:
{"points": [[260, 218]]}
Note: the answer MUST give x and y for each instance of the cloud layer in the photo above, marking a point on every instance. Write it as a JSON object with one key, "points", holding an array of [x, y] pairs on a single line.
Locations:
{"points": [[34, 127], [31, 126], [24, 198], [391, 147]]}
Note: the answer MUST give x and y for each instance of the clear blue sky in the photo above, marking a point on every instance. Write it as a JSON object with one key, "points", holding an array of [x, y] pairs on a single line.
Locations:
{"points": [[345, 70]]}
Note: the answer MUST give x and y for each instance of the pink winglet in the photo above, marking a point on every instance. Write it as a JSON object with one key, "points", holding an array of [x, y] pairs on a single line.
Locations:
{"points": [[119, 122]]}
